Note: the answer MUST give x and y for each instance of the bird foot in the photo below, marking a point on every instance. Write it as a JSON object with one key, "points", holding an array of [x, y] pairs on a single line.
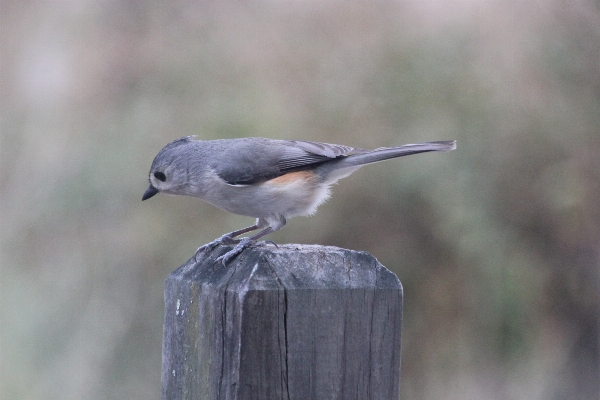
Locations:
{"points": [[239, 247], [225, 239]]}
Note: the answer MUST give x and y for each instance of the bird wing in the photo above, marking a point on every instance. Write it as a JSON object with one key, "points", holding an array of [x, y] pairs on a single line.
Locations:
{"points": [[254, 160]]}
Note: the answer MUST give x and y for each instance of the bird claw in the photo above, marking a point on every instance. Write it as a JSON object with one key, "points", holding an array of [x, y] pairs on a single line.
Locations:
{"points": [[239, 247], [201, 249], [225, 239]]}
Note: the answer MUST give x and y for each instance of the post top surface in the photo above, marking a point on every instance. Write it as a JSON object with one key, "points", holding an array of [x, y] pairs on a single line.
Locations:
{"points": [[289, 266]]}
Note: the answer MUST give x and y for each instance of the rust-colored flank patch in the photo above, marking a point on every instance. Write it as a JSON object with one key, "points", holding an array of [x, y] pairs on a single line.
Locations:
{"points": [[293, 177]]}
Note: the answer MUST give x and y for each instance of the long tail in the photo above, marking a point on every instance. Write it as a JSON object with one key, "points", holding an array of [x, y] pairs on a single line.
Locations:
{"points": [[343, 167], [386, 153]]}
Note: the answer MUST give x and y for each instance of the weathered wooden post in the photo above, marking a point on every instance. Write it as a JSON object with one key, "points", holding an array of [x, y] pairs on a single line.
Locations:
{"points": [[287, 322]]}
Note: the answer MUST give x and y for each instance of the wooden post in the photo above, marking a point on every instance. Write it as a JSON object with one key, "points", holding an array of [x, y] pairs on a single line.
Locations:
{"points": [[287, 322]]}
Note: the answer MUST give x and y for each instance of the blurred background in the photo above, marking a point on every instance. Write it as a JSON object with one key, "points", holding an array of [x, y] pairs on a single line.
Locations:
{"points": [[497, 244]]}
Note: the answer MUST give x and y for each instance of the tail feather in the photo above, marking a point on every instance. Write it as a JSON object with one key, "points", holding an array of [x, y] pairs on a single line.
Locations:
{"points": [[386, 153], [342, 167]]}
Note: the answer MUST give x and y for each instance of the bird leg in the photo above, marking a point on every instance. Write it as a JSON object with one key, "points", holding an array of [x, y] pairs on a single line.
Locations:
{"points": [[270, 224], [227, 238], [241, 245]]}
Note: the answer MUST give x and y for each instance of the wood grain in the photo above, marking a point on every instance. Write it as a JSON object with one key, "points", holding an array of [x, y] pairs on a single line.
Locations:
{"points": [[292, 322]]}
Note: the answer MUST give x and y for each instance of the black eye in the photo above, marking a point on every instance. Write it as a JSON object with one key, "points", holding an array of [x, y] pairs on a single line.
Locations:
{"points": [[160, 176]]}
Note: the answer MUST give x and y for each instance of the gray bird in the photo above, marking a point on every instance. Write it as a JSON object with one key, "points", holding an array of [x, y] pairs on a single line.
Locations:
{"points": [[270, 180]]}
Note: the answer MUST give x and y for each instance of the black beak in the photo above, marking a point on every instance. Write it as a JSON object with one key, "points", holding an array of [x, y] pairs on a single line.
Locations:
{"points": [[151, 191]]}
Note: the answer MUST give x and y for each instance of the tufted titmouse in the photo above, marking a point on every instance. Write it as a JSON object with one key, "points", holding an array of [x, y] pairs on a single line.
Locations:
{"points": [[271, 180]]}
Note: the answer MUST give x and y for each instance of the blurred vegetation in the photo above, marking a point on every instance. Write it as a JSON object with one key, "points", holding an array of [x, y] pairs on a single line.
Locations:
{"points": [[497, 244]]}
